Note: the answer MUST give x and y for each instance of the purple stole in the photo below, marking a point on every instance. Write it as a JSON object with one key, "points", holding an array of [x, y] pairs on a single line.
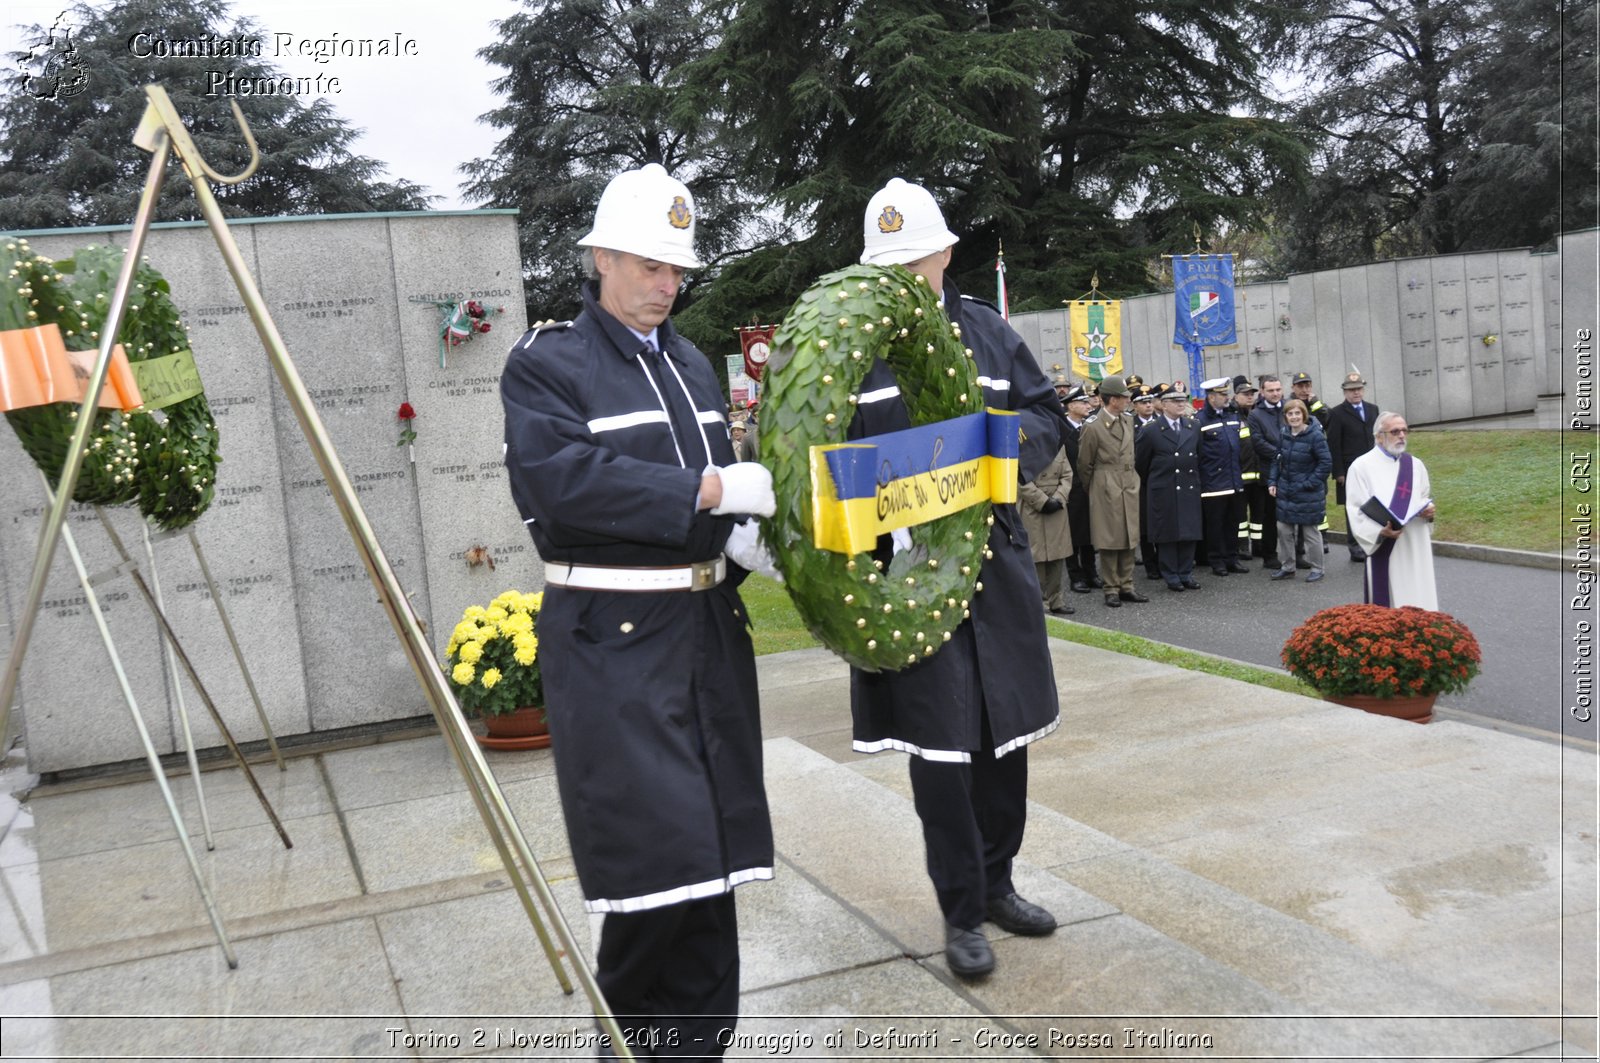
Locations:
{"points": [[1377, 590]]}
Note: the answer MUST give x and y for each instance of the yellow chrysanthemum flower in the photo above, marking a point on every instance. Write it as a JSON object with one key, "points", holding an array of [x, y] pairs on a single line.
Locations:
{"points": [[491, 676], [495, 614], [471, 652], [526, 653], [474, 613], [463, 674], [465, 631]]}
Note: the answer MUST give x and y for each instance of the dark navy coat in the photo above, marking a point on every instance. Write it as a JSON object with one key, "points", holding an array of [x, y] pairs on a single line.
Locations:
{"points": [[999, 660], [1221, 471], [1168, 463], [651, 697], [1301, 475]]}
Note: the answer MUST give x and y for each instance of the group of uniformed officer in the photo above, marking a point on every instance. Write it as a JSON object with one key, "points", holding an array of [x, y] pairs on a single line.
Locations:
{"points": [[1200, 477]]}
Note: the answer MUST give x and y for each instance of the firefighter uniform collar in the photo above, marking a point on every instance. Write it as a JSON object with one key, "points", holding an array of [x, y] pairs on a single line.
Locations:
{"points": [[623, 338]]}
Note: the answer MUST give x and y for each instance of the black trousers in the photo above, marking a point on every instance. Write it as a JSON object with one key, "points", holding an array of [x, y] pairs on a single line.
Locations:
{"points": [[671, 977], [973, 816], [1220, 515], [1269, 529], [1177, 561]]}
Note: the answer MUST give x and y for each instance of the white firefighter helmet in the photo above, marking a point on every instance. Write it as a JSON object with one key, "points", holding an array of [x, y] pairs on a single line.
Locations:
{"points": [[902, 225], [649, 213]]}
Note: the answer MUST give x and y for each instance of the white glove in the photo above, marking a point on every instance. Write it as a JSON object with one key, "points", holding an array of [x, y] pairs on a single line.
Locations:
{"points": [[749, 552], [902, 539], [746, 488]]}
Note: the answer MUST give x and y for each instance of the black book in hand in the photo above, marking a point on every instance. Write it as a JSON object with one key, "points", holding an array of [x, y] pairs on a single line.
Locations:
{"points": [[1379, 512]]}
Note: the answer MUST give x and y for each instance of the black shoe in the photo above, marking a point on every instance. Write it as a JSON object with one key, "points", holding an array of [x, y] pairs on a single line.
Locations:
{"points": [[1080, 587], [1175, 587], [1272, 564], [1282, 573], [967, 952], [1190, 584], [1237, 568], [1062, 610], [1357, 559], [1097, 583], [1219, 572], [1152, 575], [1113, 601], [1132, 596], [1013, 914], [1301, 562]]}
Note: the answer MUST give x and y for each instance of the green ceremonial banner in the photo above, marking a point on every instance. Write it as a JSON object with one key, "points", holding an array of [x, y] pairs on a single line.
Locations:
{"points": [[168, 380]]}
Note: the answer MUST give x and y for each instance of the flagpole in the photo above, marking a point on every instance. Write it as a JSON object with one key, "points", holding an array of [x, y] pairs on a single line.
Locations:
{"points": [[1000, 282]]}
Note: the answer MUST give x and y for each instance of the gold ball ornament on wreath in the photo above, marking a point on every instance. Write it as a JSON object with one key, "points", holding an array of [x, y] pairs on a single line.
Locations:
{"points": [[877, 616]]}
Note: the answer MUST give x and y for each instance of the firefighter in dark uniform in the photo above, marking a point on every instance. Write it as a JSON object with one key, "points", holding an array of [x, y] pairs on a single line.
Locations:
{"points": [[1221, 479], [967, 714], [1252, 530], [619, 460]]}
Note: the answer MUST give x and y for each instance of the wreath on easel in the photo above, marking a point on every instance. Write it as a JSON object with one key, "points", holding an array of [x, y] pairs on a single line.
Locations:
{"points": [[157, 443], [877, 616]]}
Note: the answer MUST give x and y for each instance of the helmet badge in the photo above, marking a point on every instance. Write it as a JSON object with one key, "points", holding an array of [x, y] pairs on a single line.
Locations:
{"points": [[891, 220], [679, 216]]}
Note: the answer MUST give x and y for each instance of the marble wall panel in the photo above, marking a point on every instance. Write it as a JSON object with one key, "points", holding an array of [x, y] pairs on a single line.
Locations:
{"points": [[1485, 365], [1326, 359], [1304, 313], [1258, 330], [1383, 364], [1027, 326], [1053, 340], [330, 287], [1520, 350], [1418, 352], [244, 535], [1233, 358], [1287, 340], [1543, 274], [459, 473], [1451, 341]]}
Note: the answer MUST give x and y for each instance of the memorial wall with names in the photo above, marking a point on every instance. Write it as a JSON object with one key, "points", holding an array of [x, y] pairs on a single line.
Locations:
{"points": [[357, 301], [1445, 338]]}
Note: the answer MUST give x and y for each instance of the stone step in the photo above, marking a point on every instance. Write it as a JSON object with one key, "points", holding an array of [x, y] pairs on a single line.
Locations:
{"points": [[1144, 946]]}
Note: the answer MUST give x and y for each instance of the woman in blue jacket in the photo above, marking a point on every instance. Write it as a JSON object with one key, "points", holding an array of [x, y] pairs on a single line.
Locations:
{"points": [[1299, 482]]}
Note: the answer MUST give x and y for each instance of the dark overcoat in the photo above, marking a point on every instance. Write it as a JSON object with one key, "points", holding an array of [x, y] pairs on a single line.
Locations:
{"points": [[1349, 437], [651, 697], [1168, 462], [998, 661]]}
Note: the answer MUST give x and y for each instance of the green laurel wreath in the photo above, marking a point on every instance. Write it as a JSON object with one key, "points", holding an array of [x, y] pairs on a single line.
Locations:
{"points": [[877, 617], [166, 460], [36, 292]]}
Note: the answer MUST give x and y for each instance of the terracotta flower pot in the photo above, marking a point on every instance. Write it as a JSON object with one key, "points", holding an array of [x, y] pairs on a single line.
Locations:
{"points": [[523, 729], [1418, 708]]}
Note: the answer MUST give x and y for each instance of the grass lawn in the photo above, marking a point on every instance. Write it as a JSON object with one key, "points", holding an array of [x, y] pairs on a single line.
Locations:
{"points": [[1493, 488]]}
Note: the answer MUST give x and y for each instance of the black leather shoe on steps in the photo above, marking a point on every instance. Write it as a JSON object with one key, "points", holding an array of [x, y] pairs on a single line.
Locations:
{"points": [[1018, 916], [967, 952]]}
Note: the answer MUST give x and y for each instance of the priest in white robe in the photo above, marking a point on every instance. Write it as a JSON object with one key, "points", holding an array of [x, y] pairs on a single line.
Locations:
{"points": [[1400, 551]]}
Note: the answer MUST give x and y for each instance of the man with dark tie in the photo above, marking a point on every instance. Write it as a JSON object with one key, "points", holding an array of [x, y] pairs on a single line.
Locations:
{"points": [[1167, 458], [1350, 435]]}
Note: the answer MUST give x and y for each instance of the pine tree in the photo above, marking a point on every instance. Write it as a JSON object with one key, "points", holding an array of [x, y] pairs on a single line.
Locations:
{"points": [[67, 157]]}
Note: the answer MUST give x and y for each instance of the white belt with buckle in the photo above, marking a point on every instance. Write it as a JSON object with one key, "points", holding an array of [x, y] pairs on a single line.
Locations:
{"points": [[700, 576]]}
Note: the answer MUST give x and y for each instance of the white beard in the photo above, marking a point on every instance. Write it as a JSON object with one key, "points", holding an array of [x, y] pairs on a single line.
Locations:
{"points": [[1394, 449]]}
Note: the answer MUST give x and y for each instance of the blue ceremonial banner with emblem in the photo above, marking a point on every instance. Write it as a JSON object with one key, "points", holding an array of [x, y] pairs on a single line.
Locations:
{"points": [[870, 487], [1203, 296]]}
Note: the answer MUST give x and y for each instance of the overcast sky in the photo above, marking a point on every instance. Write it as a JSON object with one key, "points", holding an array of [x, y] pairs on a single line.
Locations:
{"points": [[419, 112]]}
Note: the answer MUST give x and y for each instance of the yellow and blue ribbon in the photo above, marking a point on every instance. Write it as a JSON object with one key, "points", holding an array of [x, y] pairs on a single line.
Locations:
{"points": [[872, 486]]}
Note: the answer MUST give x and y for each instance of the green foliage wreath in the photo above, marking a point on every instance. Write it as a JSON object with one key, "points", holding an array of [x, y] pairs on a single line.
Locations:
{"points": [[878, 617], [165, 459]]}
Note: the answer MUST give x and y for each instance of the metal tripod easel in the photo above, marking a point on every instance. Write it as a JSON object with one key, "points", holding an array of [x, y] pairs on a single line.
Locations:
{"points": [[161, 130]]}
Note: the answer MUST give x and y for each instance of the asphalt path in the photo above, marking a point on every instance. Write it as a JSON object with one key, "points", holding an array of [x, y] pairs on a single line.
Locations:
{"points": [[1516, 613]]}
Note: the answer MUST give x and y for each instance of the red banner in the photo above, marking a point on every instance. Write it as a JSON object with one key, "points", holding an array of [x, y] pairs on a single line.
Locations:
{"points": [[756, 341]]}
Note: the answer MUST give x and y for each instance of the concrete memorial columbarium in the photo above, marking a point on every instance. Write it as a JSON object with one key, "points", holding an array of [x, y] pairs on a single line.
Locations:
{"points": [[358, 302]]}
